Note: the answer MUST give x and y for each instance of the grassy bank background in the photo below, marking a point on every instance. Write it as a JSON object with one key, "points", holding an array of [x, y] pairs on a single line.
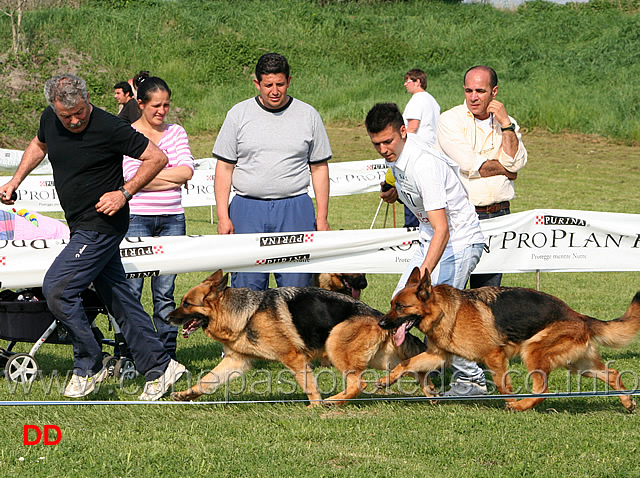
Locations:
{"points": [[561, 67]]}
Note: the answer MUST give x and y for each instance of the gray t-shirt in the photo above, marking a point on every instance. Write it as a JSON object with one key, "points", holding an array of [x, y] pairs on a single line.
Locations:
{"points": [[272, 149]]}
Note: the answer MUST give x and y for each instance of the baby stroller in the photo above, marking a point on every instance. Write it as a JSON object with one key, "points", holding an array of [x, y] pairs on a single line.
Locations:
{"points": [[25, 317]]}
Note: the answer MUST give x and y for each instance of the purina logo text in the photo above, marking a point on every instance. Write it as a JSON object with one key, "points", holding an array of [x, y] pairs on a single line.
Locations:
{"points": [[285, 239], [142, 274], [136, 251], [280, 260], [373, 167], [547, 220]]}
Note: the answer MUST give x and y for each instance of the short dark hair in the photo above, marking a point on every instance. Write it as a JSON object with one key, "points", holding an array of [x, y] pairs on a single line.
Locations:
{"points": [[271, 63], [383, 115], [493, 76], [125, 87], [148, 86], [417, 74]]}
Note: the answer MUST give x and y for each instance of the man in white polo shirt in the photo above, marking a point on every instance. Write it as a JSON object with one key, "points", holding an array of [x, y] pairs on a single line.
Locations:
{"points": [[451, 241]]}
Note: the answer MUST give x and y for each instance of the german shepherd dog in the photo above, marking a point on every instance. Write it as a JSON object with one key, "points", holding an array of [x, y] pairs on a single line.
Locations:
{"points": [[349, 284], [290, 325], [492, 324]]}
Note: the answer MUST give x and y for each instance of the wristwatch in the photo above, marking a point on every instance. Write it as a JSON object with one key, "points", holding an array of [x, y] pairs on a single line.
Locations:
{"points": [[126, 193], [511, 127]]}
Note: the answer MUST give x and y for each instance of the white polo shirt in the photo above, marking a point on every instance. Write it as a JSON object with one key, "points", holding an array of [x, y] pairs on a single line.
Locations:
{"points": [[427, 180]]}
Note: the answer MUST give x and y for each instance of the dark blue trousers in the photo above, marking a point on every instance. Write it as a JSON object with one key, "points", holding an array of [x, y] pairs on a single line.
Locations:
{"points": [[250, 215], [481, 280], [95, 257]]}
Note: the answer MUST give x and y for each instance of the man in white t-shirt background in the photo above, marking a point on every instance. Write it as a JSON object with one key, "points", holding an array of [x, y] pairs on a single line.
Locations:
{"points": [[420, 117], [422, 111]]}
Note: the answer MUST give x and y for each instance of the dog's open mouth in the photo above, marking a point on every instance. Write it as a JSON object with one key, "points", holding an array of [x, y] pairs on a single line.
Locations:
{"points": [[191, 326], [355, 293], [401, 332]]}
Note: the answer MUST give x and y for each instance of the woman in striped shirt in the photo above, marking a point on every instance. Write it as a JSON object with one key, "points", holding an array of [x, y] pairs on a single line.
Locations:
{"points": [[157, 209]]}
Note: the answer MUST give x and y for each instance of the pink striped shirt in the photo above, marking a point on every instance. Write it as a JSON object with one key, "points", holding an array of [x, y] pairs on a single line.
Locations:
{"points": [[175, 144]]}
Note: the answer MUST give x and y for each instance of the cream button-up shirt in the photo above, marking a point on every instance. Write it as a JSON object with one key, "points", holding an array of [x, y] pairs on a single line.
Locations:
{"points": [[469, 143]]}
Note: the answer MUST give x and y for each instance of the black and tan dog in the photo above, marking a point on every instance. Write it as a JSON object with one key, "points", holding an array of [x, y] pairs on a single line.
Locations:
{"points": [[492, 324], [290, 325], [349, 284]]}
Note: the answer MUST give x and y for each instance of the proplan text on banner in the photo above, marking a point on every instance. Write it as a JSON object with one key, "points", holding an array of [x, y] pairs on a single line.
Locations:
{"points": [[548, 240], [559, 240]]}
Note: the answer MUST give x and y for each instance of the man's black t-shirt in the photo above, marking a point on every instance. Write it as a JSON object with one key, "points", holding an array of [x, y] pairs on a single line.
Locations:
{"points": [[130, 111], [88, 164]]}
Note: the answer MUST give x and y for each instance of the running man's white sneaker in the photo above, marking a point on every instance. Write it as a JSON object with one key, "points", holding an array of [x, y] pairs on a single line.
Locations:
{"points": [[80, 386], [155, 389], [462, 389]]}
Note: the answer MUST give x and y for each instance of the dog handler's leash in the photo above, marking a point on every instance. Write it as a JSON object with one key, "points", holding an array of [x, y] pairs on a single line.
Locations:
{"points": [[377, 211]]}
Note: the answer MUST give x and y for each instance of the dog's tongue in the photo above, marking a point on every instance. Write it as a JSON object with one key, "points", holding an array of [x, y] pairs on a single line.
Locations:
{"points": [[355, 293], [398, 337]]}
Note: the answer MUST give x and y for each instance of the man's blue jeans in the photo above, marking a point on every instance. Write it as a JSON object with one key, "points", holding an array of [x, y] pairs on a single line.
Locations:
{"points": [[162, 287], [481, 280], [455, 271]]}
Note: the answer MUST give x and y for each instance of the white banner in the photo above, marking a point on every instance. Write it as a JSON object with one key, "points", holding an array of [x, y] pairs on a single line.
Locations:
{"points": [[560, 240], [10, 159], [549, 240], [24, 263], [38, 193]]}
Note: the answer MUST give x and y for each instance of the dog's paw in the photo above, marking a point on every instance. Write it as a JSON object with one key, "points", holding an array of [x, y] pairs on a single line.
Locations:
{"points": [[512, 405], [381, 384], [430, 391], [179, 397], [632, 406]]}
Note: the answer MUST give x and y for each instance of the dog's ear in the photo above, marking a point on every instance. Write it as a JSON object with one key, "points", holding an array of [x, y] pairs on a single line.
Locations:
{"points": [[414, 278], [215, 277], [222, 284], [217, 281], [424, 288], [218, 278]]}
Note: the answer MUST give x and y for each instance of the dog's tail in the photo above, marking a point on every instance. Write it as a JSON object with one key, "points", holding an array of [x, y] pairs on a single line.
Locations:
{"points": [[619, 332]]}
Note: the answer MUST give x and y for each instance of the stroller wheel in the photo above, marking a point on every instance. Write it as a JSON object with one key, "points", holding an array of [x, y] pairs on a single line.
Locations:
{"points": [[125, 369], [110, 362], [21, 368]]}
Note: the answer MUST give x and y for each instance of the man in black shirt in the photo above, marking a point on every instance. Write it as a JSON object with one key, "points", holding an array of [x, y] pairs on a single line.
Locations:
{"points": [[85, 146], [130, 110]]}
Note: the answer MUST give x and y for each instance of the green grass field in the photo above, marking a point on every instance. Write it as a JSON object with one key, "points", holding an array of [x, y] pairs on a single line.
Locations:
{"points": [[561, 437], [561, 67]]}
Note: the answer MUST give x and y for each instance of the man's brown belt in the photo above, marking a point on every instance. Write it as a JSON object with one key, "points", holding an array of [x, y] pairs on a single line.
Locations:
{"points": [[492, 208]]}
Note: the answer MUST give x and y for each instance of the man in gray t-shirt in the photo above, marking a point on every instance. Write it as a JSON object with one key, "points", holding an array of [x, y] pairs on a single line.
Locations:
{"points": [[268, 149]]}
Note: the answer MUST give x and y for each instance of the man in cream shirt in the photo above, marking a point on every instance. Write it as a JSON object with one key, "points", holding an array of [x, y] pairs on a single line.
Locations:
{"points": [[486, 142]]}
